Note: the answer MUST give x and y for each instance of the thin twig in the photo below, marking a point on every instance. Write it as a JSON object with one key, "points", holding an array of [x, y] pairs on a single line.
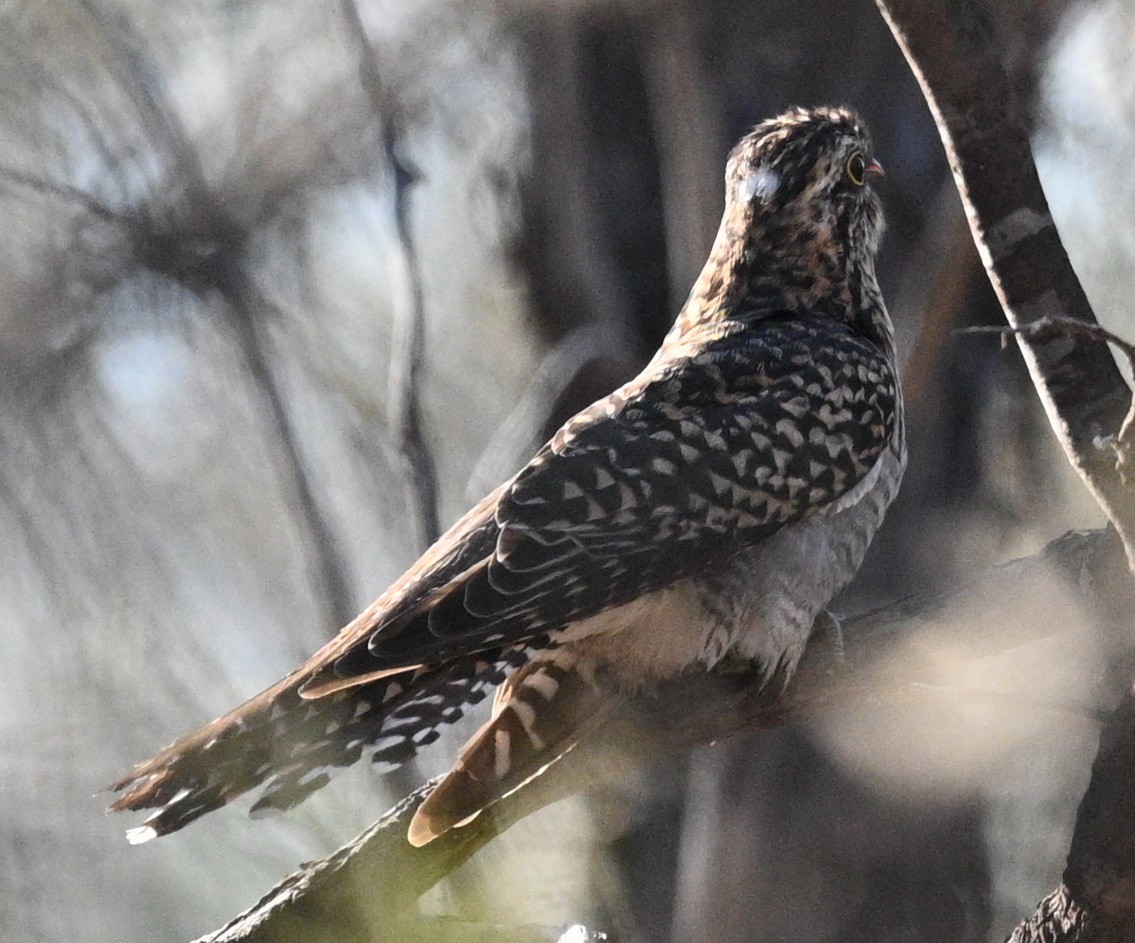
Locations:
{"points": [[407, 357], [60, 191], [143, 82], [407, 354], [1053, 326]]}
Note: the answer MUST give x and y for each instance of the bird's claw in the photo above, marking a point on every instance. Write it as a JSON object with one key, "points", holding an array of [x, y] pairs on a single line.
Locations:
{"points": [[732, 664], [827, 634]]}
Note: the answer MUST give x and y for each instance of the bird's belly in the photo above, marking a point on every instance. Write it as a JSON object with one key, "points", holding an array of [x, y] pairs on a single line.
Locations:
{"points": [[758, 605], [646, 640], [763, 602]]}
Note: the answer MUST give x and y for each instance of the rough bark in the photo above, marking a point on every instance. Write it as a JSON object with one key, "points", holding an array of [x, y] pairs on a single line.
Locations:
{"points": [[1095, 903]]}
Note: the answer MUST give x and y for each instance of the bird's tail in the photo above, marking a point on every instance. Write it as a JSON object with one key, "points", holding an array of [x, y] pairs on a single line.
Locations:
{"points": [[291, 745], [540, 714]]}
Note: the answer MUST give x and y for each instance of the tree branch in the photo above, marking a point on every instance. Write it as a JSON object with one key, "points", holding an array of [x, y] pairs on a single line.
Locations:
{"points": [[686, 117], [956, 61], [934, 294], [520, 433], [325, 555], [1095, 903], [379, 875]]}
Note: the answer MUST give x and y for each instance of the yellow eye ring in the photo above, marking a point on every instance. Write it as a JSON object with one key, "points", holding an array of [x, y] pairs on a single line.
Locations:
{"points": [[857, 168]]}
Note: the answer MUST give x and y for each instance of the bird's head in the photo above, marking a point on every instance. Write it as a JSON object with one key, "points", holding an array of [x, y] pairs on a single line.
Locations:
{"points": [[801, 227], [805, 179]]}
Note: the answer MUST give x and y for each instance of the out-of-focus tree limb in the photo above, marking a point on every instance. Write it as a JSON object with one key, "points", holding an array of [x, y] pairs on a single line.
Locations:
{"points": [[145, 84], [195, 242], [349, 896], [952, 52], [1101, 862], [1095, 903], [520, 434], [686, 115], [408, 346], [247, 308], [937, 291]]}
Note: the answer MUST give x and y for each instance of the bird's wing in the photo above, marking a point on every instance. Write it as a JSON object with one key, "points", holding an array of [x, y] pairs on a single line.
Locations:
{"points": [[695, 459]]}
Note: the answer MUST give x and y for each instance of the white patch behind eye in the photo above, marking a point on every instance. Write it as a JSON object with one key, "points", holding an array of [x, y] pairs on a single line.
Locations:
{"points": [[762, 183]]}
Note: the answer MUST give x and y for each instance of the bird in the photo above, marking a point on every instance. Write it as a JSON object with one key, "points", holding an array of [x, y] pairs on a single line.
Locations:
{"points": [[706, 511]]}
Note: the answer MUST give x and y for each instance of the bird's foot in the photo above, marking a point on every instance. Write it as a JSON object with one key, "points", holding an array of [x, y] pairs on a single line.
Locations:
{"points": [[733, 664], [827, 635]]}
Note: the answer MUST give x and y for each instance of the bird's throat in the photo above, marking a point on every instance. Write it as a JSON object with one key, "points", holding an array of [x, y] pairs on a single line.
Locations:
{"points": [[756, 271]]}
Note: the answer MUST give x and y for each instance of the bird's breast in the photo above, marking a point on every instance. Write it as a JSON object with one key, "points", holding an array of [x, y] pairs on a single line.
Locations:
{"points": [[760, 606]]}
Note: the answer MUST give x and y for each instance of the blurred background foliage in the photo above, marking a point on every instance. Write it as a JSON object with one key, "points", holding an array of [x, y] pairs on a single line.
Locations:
{"points": [[285, 286]]}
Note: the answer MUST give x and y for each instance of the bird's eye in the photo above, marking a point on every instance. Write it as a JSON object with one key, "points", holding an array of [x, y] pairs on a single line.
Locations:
{"points": [[857, 168]]}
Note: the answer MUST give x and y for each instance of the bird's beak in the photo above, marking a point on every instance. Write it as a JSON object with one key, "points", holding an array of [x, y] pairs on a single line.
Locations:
{"points": [[875, 169]]}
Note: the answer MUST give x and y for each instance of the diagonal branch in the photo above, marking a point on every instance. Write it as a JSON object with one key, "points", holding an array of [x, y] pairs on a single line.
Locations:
{"points": [[520, 434], [956, 61], [247, 308], [379, 875]]}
